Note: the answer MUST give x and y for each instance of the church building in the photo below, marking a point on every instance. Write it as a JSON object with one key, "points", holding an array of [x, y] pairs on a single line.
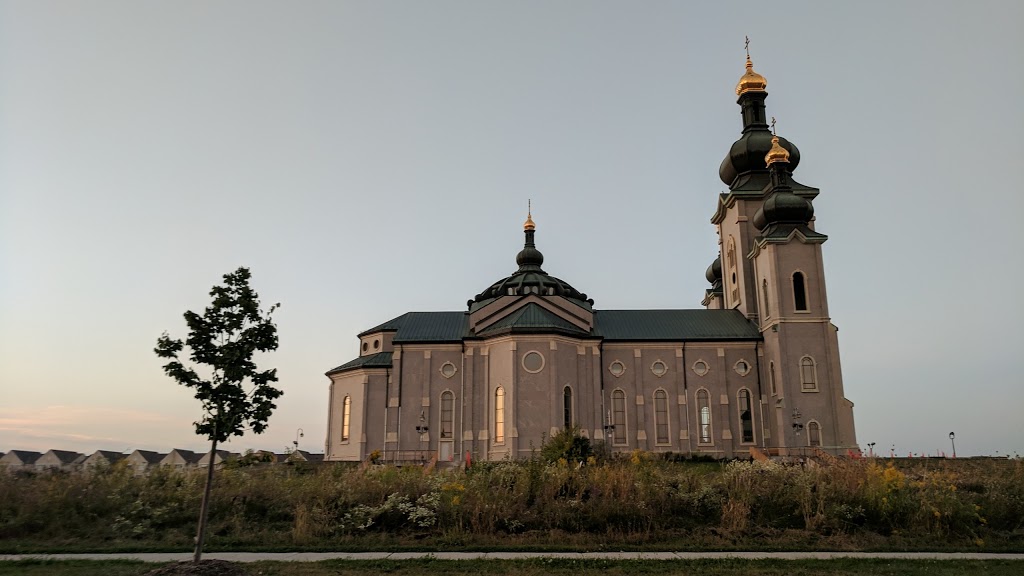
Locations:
{"points": [[756, 368]]}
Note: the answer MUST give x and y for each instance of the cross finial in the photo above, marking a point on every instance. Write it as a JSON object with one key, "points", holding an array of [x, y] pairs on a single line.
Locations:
{"points": [[773, 126], [529, 208], [746, 45]]}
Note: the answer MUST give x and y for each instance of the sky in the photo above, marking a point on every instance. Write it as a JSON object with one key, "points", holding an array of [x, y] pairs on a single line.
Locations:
{"points": [[365, 159]]}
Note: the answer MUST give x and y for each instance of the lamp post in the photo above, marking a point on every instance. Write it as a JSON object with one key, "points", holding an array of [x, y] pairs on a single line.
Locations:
{"points": [[952, 436], [298, 434], [422, 429], [871, 449]]}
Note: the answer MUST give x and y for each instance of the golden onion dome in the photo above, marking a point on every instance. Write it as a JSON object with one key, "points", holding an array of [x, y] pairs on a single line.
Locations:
{"points": [[751, 81], [529, 225], [776, 154]]}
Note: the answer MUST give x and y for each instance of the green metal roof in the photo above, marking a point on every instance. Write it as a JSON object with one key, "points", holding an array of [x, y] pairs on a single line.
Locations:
{"points": [[674, 325], [378, 360], [532, 318]]}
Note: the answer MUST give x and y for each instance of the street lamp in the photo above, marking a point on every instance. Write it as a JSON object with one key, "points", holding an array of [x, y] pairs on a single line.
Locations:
{"points": [[871, 449], [422, 429], [298, 434], [952, 436]]}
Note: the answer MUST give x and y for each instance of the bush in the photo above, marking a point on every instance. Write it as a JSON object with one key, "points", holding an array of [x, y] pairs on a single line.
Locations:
{"points": [[568, 444]]}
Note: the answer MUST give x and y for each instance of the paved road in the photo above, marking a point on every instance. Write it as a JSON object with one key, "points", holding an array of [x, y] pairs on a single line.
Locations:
{"points": [[318, 556]]}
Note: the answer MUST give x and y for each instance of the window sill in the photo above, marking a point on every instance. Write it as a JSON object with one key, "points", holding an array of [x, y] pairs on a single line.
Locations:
{"points": [[810, 391]]}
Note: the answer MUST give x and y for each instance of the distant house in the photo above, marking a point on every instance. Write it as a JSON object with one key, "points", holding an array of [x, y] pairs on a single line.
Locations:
{"points": [[218, 459], [141, 461], [65, 460], [19, 460], [102, 459], [303, 456], [180, 459]]}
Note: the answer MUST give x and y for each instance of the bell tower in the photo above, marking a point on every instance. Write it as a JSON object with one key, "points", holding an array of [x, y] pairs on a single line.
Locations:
{"points": [[806, 404]]}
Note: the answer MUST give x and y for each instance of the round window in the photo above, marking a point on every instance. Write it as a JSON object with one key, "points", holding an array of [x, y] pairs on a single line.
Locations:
{"points": [[700, 367], [742, 367], [533, 362], [376, 344], [617, 368], [659, 368], [448, 370], [366, 346]]}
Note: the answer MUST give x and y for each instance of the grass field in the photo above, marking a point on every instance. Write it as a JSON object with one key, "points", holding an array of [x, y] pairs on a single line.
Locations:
{"points": [[638, 503], [538, 567]]}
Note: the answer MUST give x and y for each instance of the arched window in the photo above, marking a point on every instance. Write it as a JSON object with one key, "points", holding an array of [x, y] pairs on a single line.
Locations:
{"points": [[704, 416], [447, 415], [799, 291], [813, 433], [808, 375], [734, 291], [661, 417], [771, 378], [746, 416], [567, 407], [764, 290], [499, 415], [346, 418], [619, 417]]}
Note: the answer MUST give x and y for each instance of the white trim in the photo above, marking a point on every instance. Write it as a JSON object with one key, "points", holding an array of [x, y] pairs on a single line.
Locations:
{"points": [[620, 363], [655, 363], [707, 367]]}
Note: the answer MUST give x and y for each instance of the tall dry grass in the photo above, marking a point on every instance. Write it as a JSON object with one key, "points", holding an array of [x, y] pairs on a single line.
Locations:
{"points": [[629, 499]]}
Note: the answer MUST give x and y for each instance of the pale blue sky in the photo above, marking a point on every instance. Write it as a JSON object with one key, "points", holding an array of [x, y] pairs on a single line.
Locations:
{"points": [[367, 159]]}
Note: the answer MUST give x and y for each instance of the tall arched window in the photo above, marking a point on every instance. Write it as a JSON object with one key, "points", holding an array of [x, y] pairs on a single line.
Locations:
{"points": [[447, 415], [499, 415], [567, 407], [799, 291], [764, 290], [746, 416], [704, 416], [619, 417], [808, 375], [346, 418], [813, 433], [734, 291], [771, 378], [661, 417]]}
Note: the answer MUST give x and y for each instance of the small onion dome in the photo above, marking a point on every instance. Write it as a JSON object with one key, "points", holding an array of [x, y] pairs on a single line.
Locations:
{"points": [[529, 256], [776, 154], [749, 153], [529, 225], [783, 207], [714, 272], [751, 81]]}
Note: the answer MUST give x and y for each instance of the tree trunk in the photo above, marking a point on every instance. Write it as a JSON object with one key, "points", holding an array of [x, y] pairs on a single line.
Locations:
{"points": [[205, 507]]}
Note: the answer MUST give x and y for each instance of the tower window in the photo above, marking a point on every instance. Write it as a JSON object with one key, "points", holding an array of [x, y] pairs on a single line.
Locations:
{"points": [[813, 433], [771, 378], [746, 416], [346, 418], [808, 375], [447, 415], [764, 289], [499, 415], [619, 417], [704, 416], [567, 407], [661, 416], [799, 292]]}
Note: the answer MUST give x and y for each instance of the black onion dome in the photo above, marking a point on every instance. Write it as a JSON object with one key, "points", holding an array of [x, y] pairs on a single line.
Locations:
{"points": [[748, 154], [714, 272], [784, 208], [530, 278]]}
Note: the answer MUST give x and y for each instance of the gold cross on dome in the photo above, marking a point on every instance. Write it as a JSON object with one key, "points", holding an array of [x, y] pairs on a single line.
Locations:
{"points": [[746, 45], [773, 126]]}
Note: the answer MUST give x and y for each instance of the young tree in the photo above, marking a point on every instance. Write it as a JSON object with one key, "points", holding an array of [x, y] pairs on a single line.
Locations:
{"points": [[235, 395]]}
